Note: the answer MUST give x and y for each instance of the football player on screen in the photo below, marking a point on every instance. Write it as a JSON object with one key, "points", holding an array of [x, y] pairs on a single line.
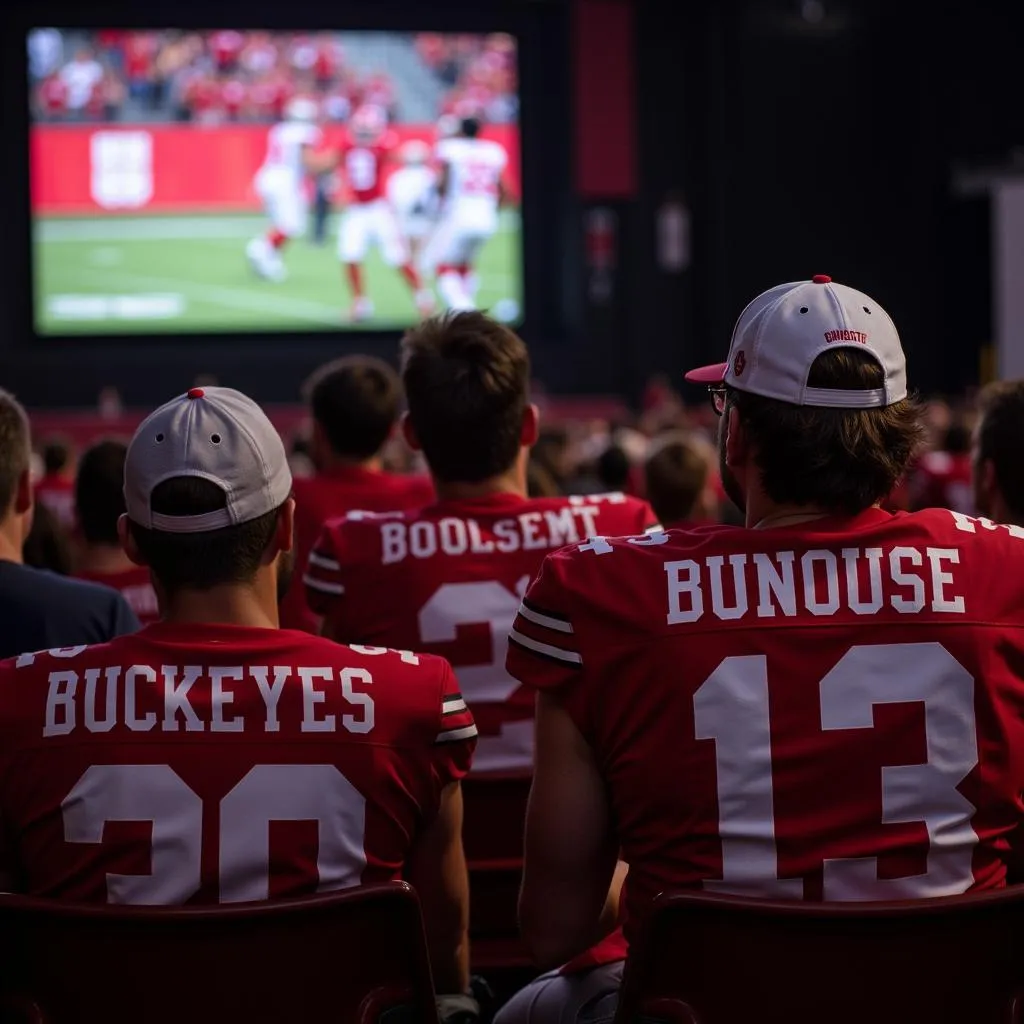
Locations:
{"points": [[368, 147], [281, 185]]}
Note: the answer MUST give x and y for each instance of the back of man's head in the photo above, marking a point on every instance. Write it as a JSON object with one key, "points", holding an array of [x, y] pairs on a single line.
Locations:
{"points": [[14, 449], [466, 382], [356, 401], [1000, 439], [99, 491], [56, 455], [675, 474], [206, 477]]}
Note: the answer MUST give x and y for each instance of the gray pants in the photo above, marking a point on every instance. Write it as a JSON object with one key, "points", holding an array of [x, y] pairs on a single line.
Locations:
{"points": [[590, 997]]}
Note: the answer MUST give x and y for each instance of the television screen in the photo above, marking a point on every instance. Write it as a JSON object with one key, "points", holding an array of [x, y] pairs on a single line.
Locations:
{"points": [[246, 180]]}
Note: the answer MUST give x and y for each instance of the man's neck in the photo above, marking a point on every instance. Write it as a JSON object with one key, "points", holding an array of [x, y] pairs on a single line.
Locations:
{"points": [[332, 463], [11, 540], [507, 483], [227, 605], [774, 517], [104, 558]]}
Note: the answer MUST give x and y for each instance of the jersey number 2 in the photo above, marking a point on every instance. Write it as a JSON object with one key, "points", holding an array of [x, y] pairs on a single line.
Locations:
{"points": [[731, 707]]}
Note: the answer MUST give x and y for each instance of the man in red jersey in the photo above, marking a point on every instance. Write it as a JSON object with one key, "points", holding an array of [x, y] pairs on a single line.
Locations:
{"points": [[449, 578], [215, 757], [368, 218], [824, 705], [99, 505], [942, 477], [354, 403]]}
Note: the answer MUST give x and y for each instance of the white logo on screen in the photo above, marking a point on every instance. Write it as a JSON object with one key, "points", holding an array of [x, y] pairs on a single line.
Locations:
{"points": [[121, 168]]}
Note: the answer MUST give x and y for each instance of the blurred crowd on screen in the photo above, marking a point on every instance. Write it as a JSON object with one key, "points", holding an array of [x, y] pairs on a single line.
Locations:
{"points": [[235, 76], [665, 451]]}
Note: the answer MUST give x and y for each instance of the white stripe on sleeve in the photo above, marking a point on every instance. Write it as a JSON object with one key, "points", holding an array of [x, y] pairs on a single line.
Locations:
{"points": [[322, 585], [323, 563], [559, 625], [552, 652]]}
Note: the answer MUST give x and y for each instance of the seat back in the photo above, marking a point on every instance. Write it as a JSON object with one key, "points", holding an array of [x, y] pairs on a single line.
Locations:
{"points": [[495, 814], [357, 956], [712, 959]]}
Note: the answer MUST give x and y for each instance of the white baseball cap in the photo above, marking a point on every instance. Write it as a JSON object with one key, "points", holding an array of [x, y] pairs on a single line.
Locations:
{"points": [[780, 334], [215, 433]]}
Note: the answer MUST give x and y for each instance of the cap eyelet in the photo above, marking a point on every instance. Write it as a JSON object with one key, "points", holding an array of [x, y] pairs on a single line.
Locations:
{"points": [[803, 309], [215, 438], [159, 438], [866, 310]]}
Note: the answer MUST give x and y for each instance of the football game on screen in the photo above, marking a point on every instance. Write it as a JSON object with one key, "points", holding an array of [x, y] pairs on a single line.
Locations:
{"points": [[242, 180]]}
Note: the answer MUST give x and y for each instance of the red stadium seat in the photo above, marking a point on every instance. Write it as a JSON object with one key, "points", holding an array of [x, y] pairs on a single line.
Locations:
{"points": [[711, 959], [495, 813], [356, 956]]}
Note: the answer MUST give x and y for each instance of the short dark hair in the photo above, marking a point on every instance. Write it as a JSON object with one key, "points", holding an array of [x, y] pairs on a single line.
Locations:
{"points": [[467, 382], [199, 561], [675, 474], [1000, 436], [842, 460], [612, 468], [99, 491], [470, 127], [356, 400], [56, 454], [14, 448]]}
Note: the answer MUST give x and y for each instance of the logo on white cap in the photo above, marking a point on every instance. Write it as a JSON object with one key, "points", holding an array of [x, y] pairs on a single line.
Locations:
{"points": [[217, 434], [782, 332]]}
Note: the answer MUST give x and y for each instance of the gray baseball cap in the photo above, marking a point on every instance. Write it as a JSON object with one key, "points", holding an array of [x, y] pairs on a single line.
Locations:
{"points": [[780, 333], [215, 433]]}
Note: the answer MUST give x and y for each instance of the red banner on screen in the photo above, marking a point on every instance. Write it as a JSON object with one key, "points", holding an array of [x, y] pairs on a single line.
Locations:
{"points": [[162, 168]]}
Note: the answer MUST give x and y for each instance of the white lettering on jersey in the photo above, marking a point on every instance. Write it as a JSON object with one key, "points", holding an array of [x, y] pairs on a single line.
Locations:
{"points": [[545, 529], [96, 699], [475, 167], [820, 583]]}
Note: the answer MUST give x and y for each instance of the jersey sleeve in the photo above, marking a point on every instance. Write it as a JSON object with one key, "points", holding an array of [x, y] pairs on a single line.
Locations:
{"points": [[456, 732], [542, 650], [323, 573]]}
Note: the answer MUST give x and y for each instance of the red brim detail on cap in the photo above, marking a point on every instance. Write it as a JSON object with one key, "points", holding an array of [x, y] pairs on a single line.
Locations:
{"points": [[708, 374]]}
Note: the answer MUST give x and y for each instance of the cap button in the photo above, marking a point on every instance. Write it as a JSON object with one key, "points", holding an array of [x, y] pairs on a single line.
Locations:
{"points": [[821, 279], [196, 392]]}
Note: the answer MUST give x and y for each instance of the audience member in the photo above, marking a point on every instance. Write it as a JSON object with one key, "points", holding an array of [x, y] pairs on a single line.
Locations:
{"points": [[47, 545], [369, 743], [55, 488], [998, 470], [40, 609], [829, 640], [677, 481], [99, 505], [448, 578], [354, 403]]}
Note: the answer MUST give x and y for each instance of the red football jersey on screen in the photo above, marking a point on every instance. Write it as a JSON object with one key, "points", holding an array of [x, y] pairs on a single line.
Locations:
{"points": [[448, 579], [363, 167], [329, 495], [204, 764], [833, 711], [135, 586]]}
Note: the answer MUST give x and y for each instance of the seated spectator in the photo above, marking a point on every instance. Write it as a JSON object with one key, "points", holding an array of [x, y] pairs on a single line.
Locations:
{"points": [[99, 504], [40, 609], [273, 764], [47, 545], [54, 489], [354, 403], [998, 473], [677, 481]]}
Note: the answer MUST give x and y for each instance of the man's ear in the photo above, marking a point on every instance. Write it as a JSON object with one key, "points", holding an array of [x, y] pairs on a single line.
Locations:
{"points": [[284, 535], [124, 535], [409, 433], [737, 443], [23, 493], [988, 485], [531, 426]]}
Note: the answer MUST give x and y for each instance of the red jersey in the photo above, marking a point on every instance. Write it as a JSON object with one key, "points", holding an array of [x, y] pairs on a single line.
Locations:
{"points": [[830, 711], [57, 493], [205, 764], [943, 480], [363, 167], [135, 586], [448, 579], [330, 495]]}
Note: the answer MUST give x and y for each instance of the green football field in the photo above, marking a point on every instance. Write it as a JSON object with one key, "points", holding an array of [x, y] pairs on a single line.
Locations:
{"points": [[141, 273]]}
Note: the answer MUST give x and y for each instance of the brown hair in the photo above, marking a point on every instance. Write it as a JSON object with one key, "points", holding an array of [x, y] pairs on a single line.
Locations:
{"points": [[14, 448], [1000, 436], [842, 460], [675, 474], [466, 381], [356, 401]]}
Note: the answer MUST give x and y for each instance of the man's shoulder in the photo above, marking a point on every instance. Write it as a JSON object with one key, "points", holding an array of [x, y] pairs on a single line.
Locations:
{"points": [[66, 592]]}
